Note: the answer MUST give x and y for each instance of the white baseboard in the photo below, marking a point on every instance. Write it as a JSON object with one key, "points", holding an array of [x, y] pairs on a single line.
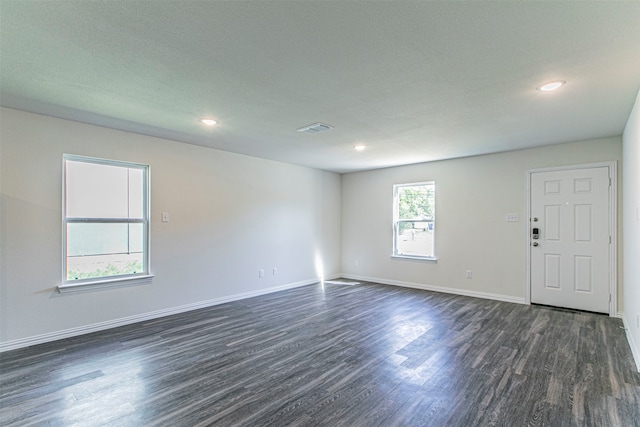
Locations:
{"points": [[95, 327], [635, 348], [456, 291]]}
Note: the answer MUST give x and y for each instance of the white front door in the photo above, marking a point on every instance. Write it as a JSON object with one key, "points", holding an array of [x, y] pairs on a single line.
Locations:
{"points": [[569, 262]]}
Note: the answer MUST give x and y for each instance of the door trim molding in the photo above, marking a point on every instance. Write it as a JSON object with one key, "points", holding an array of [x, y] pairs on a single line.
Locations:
{"points": [[613, 228]]}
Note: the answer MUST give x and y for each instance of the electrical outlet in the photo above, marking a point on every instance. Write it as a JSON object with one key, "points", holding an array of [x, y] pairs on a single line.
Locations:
{"points": [[512, 217], [469, 274], [261, 273]]}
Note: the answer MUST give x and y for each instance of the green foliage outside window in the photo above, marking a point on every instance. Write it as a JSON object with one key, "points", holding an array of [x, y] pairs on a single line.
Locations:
{"points": [[131, 267]]}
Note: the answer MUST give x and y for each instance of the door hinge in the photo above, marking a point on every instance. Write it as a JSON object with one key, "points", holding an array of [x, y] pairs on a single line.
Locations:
{"points": [[609, 182], [609, 297], [609, 239]]}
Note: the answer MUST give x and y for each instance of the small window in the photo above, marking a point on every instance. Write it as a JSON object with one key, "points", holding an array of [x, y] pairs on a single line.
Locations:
{"points": [[414, 220], [105, 220]]}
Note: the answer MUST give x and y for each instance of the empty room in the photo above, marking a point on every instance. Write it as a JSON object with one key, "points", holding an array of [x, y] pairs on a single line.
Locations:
{"points": [[319, 213]]}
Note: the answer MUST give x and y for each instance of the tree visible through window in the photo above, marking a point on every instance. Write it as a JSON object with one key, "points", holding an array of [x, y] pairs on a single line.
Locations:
{"points": [[414, 220], [105, 219]]}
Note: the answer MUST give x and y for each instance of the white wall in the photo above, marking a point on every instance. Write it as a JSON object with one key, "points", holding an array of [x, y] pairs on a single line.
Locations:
{"points": [[230, 216], [631, 217], [473, 195]]}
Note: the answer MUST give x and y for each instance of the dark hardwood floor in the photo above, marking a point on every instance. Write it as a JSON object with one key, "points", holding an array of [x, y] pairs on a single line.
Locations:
{"points": [[334, 355]]}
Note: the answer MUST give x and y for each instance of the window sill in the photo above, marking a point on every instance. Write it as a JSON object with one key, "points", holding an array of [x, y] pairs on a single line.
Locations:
{"points": [[104, 283], [432, 260]]}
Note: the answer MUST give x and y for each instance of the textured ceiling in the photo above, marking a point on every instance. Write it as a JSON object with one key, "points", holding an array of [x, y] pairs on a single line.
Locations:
{"points": [[413, 81]]}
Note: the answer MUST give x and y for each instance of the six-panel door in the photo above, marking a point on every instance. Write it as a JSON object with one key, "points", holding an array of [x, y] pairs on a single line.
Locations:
{"points": [[570, 258]]}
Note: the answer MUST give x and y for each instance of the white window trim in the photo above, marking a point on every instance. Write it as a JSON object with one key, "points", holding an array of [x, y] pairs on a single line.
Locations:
{"points": [[111, 281], [416, 257], [394, 254], [108, 282]]}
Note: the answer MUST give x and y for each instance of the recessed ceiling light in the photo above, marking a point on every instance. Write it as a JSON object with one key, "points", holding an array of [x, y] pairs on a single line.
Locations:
{"points": [[208, 122], [359, 147], [548, 87]]}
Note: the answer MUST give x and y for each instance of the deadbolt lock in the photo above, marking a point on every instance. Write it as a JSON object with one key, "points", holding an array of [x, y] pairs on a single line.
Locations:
{"points": [[535, 233]]}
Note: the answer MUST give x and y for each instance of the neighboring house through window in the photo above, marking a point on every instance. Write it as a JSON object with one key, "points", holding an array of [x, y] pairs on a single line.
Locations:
{"points": [[105, 220], [414, 220]]}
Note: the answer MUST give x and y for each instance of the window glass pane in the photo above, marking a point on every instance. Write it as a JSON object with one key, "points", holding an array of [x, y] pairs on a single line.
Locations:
{"points": [[136, 237], [415, 238], [104, 266], [101, 250], [136, 193], [415, 202], [96, 190], [414, 220]]}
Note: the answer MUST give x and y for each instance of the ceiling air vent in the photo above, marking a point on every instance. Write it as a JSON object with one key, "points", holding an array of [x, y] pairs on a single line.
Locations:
{"points": [[315, 128]]}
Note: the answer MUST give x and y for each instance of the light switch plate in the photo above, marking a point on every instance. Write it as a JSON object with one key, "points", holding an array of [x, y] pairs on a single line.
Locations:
{"points": [[165, 216], [512, 217]]}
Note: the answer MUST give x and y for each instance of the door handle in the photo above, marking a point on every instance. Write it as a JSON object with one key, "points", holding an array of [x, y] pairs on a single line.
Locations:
{"points": [[535, 243]]}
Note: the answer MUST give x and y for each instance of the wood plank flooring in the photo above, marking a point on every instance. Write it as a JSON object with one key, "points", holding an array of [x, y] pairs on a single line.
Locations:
{"points": [[334, 355]]}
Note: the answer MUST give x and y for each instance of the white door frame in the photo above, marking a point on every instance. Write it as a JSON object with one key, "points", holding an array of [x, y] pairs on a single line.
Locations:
{"points": [[613, 227]]}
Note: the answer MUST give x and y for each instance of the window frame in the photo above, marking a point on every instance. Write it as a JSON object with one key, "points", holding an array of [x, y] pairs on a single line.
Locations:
{"points": [[107, 281], [396, 221]]}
